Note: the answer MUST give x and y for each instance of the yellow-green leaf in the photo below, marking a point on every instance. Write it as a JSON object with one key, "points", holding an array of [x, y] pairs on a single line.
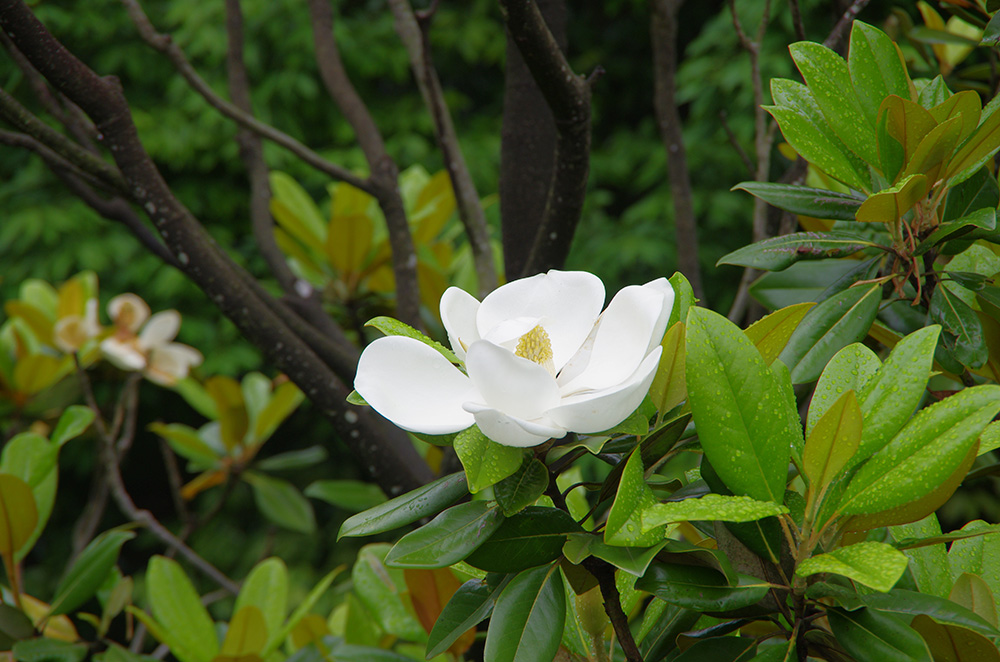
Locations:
{"points": [[669, 387], [36, 372], [233, 419], [934, 150], [980, 146], [434, 206], [770, 334], [965, 105], [888, 205], [34, 318], [18, 515], [348, 241], [285, 400], [874, 564], [833, 441], [907, 122], [247, 633]]}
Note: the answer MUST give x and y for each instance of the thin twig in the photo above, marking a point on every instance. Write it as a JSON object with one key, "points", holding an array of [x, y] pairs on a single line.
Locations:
{"points": [[797, 24], [846, 19], [734, 141], [165, 44], [413, 33]]}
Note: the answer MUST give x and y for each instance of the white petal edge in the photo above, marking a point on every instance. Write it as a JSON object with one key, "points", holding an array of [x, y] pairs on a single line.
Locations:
{"points": [[622, 340], [510, 430], [414, 386], [663, 286], [160, 329], [140, 309], [171, 363], [568, 302], [598, 411], [510, 383], [458, 313], [122, 355]]}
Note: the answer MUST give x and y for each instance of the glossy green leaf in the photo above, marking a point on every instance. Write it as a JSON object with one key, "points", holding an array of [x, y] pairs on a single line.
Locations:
{"points": [[870, 636], [308, 226], [393, 327], [30, 457], [876, 67], [351, 495], [934, 150], [815, 202], [89, 571], [527, 621], [533, 537], [890, 204], [979, 191], [700, 588], [832, 442], [976, 151], [849, 370], [177, 608], [908, 603], [74, 420], [889, 399], [906, 122], [874, 564], [661, 634], [266, 588], [923, 454], [624, 526], [407, 508], [829, 80], [962, 324], [303, 608], [633, 560], [448, 538], [669, 387], [43, 649], [928, 563], [486, 462], [770, 334], [973, 593], [281, 502], [684, 298], [186, 442], [800, 283], [980, 221], [824, 151], [470, 605], [742, 430], [779, 253], [710, 507], [979, 555], [829, 327], [522, 488], [720, 649]]}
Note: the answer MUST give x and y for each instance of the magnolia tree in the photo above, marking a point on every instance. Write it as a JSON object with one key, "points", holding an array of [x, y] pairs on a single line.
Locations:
{"points": [[569, 478]]}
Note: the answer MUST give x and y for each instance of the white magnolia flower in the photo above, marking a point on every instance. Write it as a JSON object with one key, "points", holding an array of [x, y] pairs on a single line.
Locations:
{"points": [[72, 332], [541, 359], [151, 350]]}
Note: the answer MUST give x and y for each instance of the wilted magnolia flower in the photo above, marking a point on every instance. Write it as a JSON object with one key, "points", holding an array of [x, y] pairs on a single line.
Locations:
{"points": [[149, 350], [541, 360], [72, 332]]}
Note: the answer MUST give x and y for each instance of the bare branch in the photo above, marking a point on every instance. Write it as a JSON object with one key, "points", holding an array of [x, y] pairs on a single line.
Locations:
{"points": [[845, 20], [386, 452], [568, 96], [384, 173], [800, 28], [663, 32], [413, 34], [164, 44]]}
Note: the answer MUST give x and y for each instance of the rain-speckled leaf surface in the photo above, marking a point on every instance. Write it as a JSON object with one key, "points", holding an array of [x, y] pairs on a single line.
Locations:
{"points": [[779, 253], [448, 538], [964, 327], [407, 508], [876, 67], [486, 462], [849, 370], [873, 637], [832, 442], [815, 202], [874, 564], [700, 588], [923, 454], [527, 621], [742, 428], [829, 327], [522, 488], [890, 397], [624, 526], [978, 555], [815, 146], [711, 507], [770, 334], [928, 563]]}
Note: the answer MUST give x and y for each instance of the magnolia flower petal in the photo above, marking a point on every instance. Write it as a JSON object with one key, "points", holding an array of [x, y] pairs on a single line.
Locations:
{"points": [[458, 313], [661, 285], [507, 382], [597, 411], [621, 341], [128, 311], [91, 325], [171, 362], [414, 386], [510, 430], [568, 302], [160, 329], [508, 332], [124, 355]]}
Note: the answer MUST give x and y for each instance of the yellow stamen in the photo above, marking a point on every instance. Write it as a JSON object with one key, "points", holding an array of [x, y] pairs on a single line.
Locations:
{"points": [[535, 346]]}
